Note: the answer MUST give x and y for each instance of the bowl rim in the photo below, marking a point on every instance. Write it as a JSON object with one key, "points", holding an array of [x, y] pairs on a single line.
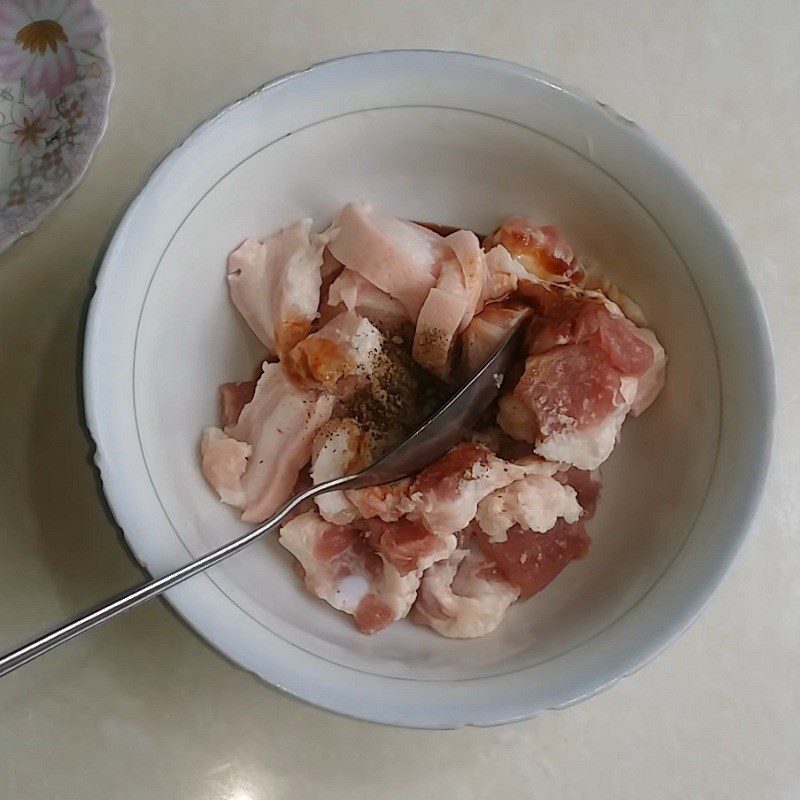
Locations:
{"points": [[113, 479]]}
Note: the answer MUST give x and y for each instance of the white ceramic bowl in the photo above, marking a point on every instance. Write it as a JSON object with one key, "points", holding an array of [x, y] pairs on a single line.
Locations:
{"points": [[460, 140]]}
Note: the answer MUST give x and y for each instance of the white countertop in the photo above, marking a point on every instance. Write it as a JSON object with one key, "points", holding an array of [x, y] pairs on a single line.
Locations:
{"points": [[143, 709]]}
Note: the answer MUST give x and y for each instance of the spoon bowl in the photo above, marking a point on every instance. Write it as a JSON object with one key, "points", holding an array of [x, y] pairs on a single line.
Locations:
{"points": [[445, 427]]}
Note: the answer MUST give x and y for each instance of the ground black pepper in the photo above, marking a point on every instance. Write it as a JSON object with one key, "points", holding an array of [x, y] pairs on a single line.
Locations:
{"points": [[396, 397]]}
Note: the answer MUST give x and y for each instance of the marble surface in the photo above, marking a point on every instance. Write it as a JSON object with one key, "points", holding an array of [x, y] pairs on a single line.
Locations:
{"points": [[143, 709]]}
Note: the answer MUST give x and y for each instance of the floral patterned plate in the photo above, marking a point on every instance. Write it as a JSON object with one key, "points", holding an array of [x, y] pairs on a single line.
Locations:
{"points": [[55, 80]]}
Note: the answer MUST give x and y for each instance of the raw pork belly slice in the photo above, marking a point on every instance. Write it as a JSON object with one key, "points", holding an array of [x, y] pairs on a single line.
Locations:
{"points": [[356, 293], [471, 263], [582, 376], [535, 502], [464, 596], [541, 250], [336, 356], [652, 381], [343, 569], [573, 386], [587, 448], [503, 275], [400, 258], [408, 545], [599, 284], [278, 425], [530, 560], [446, 494], [275, 284], [466, 282], [223, 462], [486, 331], [339, 449], [439, 321], [389, 502]]}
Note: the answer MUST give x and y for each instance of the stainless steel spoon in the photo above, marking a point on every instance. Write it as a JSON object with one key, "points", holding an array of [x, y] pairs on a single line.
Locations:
{"points": [[434, 437]]}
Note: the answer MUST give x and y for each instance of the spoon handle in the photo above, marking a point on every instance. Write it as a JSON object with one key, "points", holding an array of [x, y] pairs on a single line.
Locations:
{"points": [[138, 594]]}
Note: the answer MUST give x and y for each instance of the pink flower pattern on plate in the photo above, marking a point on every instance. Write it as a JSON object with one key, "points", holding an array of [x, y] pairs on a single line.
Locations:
{"points": [[39, 39], [30, 129], [55, 81]]}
